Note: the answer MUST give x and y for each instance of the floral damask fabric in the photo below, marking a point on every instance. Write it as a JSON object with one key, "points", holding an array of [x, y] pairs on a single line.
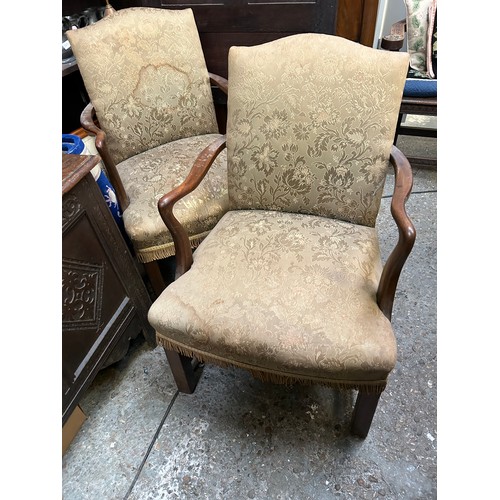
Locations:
{"points": [[311, 121], [145, 74], [282, 292], [148, 176]]}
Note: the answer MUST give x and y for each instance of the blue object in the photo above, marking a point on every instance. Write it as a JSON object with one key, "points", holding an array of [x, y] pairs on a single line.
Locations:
{"points": [[420, 87], [72, 144], [110, 198]]}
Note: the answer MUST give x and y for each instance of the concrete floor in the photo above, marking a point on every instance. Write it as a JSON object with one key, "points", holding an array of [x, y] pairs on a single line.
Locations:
{"points": [[238, 438]]}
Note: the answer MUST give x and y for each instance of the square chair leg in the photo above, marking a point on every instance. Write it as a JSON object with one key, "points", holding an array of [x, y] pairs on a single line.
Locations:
{"points": [[186, 371], [364, 410]]}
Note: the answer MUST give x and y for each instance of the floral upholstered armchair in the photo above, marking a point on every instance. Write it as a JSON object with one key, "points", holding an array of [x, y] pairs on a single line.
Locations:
{"points": [[150, 90], [290, 284]]}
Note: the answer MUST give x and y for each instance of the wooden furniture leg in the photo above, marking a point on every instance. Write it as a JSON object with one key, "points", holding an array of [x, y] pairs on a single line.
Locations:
{"points": [[155, 277], [364, 410], [186, 371]]}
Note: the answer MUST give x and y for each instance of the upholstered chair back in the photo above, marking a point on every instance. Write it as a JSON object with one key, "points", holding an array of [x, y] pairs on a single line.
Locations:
{"points": [[311, 122], [146, 76]]}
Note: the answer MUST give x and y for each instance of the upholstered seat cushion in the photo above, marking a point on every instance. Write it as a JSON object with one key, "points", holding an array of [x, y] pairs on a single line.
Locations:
{"points": [[151, 174], [251, 300]]}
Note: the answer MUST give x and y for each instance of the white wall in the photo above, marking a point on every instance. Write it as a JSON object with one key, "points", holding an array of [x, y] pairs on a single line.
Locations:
{"points": [[389, 12]]}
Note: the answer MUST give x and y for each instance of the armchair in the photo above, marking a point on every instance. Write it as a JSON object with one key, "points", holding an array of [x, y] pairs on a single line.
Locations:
{"points": [[152, 112], [289, 285]]}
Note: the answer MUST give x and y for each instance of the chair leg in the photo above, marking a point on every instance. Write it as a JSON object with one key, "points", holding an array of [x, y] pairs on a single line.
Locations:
{"points": [[364, 410], [186, 371], [155, 277]]}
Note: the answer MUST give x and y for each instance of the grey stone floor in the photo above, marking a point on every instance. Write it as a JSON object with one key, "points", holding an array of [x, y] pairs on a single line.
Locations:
{"points": [[238, 438]]}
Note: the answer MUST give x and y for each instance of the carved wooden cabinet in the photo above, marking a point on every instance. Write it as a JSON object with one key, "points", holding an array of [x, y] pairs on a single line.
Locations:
{"points": [[104, 299]]}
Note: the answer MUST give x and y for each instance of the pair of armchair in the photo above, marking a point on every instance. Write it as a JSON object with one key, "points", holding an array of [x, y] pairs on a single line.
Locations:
{"points": [[288, 281]]}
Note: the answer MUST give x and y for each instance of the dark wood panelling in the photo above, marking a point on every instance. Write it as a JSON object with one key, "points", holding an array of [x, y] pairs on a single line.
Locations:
{"points": [[356, 20], [241, 16]]}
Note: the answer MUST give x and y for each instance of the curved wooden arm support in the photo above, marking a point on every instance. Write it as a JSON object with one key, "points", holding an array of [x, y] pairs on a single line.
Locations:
{"points": [[220, 81], [403, 182], [183, 252], [88, 124]]}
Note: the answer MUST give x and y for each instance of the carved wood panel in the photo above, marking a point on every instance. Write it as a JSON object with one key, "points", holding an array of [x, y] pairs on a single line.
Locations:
{"points": [[104, 300]]}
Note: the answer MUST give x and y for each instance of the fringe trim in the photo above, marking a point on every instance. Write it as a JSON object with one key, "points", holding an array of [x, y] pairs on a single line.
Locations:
{"points": [[267, 375], [168, 250]]}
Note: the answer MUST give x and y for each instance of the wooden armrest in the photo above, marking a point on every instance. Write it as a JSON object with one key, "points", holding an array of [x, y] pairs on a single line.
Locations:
{"points": [[219, 81], [183, 251], [403, 182], [87, 120]]}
